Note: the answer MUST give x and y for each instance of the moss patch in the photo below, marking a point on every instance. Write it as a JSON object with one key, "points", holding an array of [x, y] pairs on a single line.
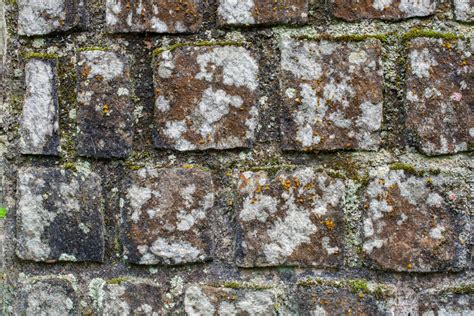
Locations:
{"points": [[3, 212], [35, 55], [418, 32], [344, 38], [202, 43], [460, 289], [409, 169], [117, 280], [244, 285]]}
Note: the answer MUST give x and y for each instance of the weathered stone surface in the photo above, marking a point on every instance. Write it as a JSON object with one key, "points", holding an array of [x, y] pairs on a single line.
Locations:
{"points": [[332, 94], [159, 16], [37, 17], [166, 216], [39, 122], [105, 111], [438, 98], [414, 223], [352, 10], [250, 12], [446, 304], [59, 215], [207, 300], [130, 298], [48, 296], [294, 218], [464, 10], [205, 98], [336, 300]]}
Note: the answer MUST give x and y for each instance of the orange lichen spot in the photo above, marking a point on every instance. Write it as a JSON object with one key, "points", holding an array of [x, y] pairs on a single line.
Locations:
{"points": [[188, 166], [105, 109], [85, 71], [244, 180], [286, 184], [329, 223], [297, 182], [409, 266], [259, 189]]}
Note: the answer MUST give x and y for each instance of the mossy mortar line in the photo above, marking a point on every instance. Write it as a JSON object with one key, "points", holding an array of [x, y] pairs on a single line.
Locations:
{"points": [[419, 32], [244, 285], [344, 38], [461, 289], [160, 50], [93, 48], [35, 55], [409, 169], [117, 280]]}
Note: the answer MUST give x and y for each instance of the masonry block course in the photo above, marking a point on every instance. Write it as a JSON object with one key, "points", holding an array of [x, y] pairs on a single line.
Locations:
{"points": [[162, 16], [332, 94], [59, 215], [205, 97], [258, 12], [438, 98], [105, 110], [293, 218], [464, 10], [39, 126], [166, 216]]}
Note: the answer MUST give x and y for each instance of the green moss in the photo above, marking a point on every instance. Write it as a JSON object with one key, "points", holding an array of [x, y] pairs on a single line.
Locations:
{"points": [[356, 286], [69, 166], [116, 280], [418, 32], [31, 55], [409, 169], [3, 212], [160, 50], [93, 48], [461, 289], [245, 285], [344, 38]]}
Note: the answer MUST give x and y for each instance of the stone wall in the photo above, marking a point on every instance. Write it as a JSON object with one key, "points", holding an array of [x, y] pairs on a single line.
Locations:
{"points": [[249, 157]]}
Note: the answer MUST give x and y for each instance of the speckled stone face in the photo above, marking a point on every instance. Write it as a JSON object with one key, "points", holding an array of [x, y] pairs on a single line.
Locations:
{"points": [[446, 304], [44, 17], [207, 300], [105, 111], [439, 96], [352, 10], [413, 223], [166, 216], [251, 12], [464, 10], [332, 95], [205, 98], [158, 16], [47, 296], [39, 126], [294, 218], [59, 215]]}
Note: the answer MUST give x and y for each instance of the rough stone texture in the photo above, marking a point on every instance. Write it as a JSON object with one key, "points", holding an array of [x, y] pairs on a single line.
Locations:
{"points": [[105, 111], [41, 17], [464, 10], [268, 12], [381, 9], [446, 304], [332, 94], [130, 298], [294, 218], [39, 122], [207, 300], [336, 300], [205, 98], [438, 98], [166, 214], [159, 16], [59, 215], [47, 296], [413, 223]]}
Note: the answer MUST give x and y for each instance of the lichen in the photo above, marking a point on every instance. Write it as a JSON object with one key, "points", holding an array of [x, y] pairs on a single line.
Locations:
{"points": [[36, 55], [200, 43], [244, 285]]}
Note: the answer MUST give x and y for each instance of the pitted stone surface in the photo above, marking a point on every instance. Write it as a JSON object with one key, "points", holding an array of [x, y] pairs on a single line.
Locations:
{"points": [[207, 300], [294, 218], [439, 97], [41, 17], [53, 296], [131, 298], [59, 215], [446, 304], [352, 10], [166, 216], [158, 16], [413, 223], [105, 110], [250, 12], [205, 98], [336, 300], [39, 122], [464, 10], [332, 94]]}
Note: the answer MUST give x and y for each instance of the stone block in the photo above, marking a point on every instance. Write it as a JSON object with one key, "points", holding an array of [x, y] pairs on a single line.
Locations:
{"points": [[59, 216], [105, 110], [166, 216], [205, 97], [446, 304], [332, 94], [353, 10], [439, 97], [415, 223], [157, 16], [464, 10], [258, 12], [39, 125], [294, 218]]}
